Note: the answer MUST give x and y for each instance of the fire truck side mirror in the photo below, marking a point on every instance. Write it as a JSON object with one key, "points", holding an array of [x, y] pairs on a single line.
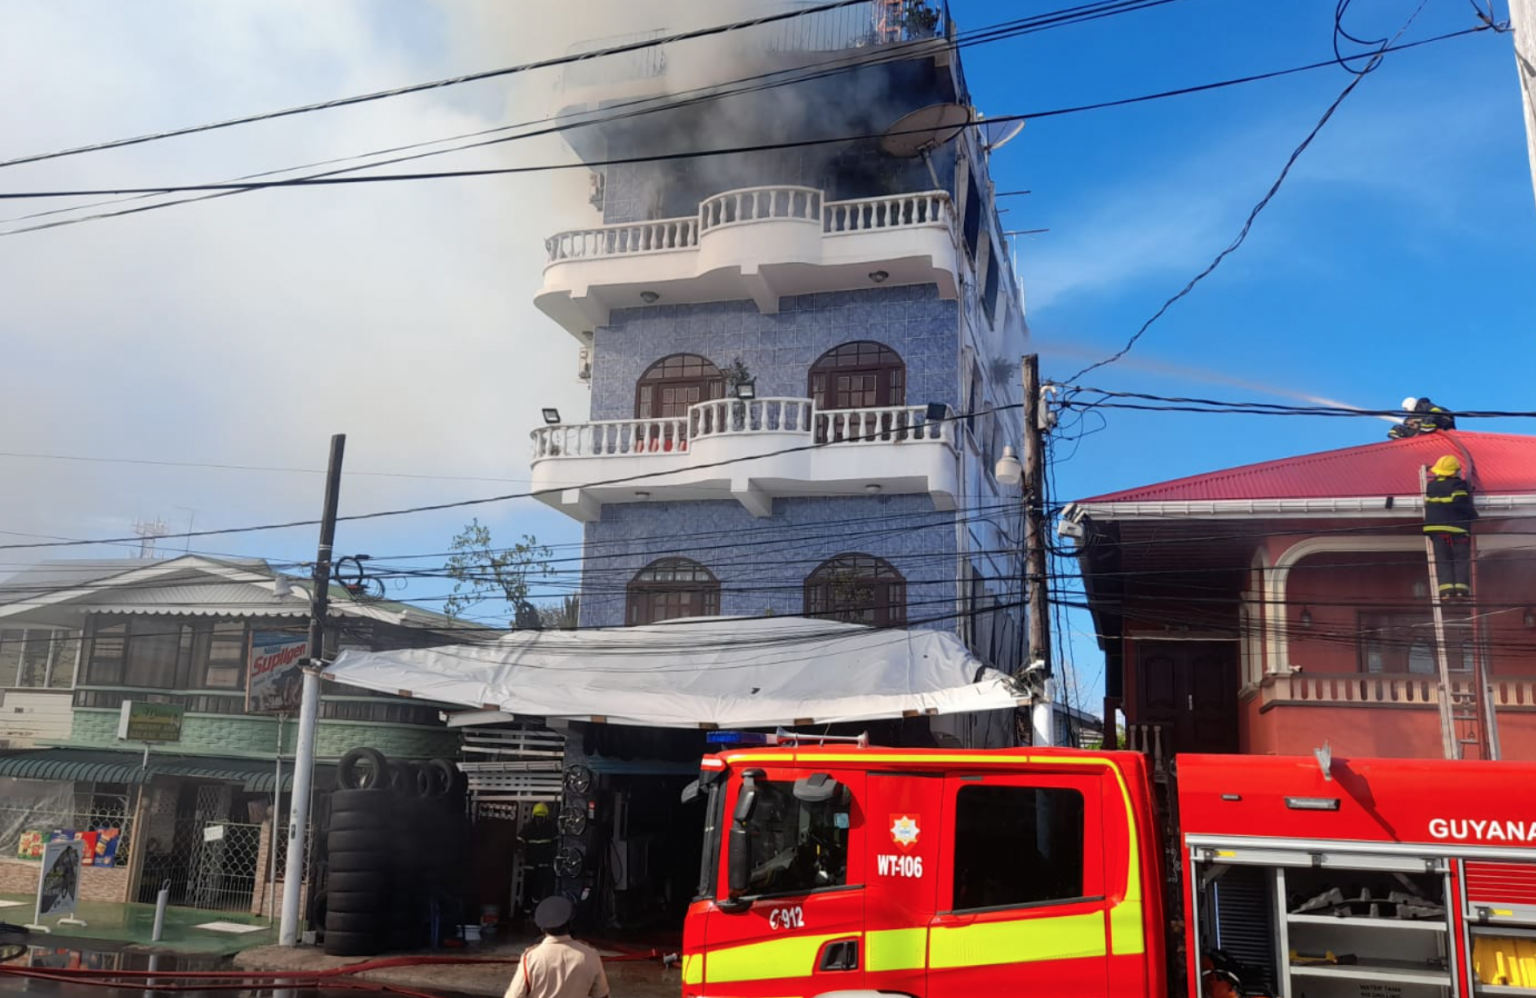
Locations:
{"points": [[739, 857], [740, 860]]}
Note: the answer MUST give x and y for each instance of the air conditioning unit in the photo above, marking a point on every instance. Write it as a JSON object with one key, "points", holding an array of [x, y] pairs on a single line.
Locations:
{"points": [[584, 364], [595, 191]]}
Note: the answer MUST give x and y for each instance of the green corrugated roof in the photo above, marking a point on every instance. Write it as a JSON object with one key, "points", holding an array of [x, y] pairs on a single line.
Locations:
{"points": [[93, 766]]}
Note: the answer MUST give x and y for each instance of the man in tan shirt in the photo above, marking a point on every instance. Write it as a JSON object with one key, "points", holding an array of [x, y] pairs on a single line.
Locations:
{"points": [[559, 966]]}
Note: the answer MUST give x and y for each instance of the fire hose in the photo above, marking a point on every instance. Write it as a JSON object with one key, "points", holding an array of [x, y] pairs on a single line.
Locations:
{"points": [[337, 978]]}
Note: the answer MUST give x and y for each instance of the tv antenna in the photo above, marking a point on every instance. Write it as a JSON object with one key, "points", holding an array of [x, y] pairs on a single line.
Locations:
{"points": [[149, 531], [920, 132]]}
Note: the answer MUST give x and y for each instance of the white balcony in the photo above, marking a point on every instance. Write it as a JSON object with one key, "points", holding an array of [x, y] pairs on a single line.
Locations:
{"points": [[758, 243], [751, 451]]}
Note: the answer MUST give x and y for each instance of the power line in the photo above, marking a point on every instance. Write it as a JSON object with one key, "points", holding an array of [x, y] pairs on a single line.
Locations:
{"points": [[641, 106], [1274, 189], [433, 84], [328, 180], [876, 434]]}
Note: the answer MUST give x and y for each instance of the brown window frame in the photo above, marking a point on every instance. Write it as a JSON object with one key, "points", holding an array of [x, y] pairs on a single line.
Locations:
{"points": [[861, 357], [886, 605], [657, 378], [647, 592]]}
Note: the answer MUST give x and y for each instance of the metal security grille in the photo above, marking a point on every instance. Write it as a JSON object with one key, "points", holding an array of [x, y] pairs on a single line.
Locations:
{"points": [[178, 819], [224, 876], [33, 811]]}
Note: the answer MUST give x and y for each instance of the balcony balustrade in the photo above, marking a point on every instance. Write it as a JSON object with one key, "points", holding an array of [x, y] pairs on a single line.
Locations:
{"points": [[1396, 689], [756, 242], [772, 448]]}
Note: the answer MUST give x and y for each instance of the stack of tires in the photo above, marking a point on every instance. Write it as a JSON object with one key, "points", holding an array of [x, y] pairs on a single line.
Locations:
{"points": [[358, 851], [393, 850]]}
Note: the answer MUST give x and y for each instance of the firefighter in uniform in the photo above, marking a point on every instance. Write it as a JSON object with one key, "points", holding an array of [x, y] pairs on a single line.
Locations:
{"points": [[1424, 417], [1448, 516], [559, 966], [538, 837]]}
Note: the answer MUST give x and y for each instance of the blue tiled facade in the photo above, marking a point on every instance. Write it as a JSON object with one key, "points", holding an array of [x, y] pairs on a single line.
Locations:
{"points": [[779, 349], [953, 562], [762, 563]]}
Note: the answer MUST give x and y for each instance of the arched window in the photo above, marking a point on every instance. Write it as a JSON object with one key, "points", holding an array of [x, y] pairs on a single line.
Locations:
{"points": [[672, 588], [859, 375], [672, 384], [857, 589]]}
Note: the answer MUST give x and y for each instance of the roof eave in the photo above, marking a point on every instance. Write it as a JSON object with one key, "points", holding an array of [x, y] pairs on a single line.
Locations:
{"points": [[1409, 507]]}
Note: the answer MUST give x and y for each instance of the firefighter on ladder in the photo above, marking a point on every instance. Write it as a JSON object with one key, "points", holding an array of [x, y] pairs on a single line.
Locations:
{"points": [[1423, 417], [1448, 516]]}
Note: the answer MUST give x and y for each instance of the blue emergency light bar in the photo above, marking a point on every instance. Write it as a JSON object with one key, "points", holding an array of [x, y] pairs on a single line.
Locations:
{"points": [[740, 738]]}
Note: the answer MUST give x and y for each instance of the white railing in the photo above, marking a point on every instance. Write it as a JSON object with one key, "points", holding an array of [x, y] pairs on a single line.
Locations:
{"points": [[660, 236], [896, 211], [758, 204], [765, 415], [611, 438], [1399, 689], [754, 204], [730, 417], [1152, 741]]}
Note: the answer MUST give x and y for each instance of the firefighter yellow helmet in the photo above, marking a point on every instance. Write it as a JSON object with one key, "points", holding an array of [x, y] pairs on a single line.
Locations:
{"points": [[1446, 467], [541, 810]]}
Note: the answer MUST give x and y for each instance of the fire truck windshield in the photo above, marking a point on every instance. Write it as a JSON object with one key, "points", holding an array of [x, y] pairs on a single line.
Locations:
{"points": [[795, 846]]}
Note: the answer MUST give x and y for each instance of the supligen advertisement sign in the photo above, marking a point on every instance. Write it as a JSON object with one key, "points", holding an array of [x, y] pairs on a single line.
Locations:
{"points": [[275, 681]]}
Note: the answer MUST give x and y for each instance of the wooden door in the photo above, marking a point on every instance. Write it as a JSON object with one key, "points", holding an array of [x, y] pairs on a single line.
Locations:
{"points": [[1189, 688]]}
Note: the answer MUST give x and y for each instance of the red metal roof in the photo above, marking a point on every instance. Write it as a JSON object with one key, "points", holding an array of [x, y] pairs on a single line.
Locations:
{"points": [[1500, 463]]}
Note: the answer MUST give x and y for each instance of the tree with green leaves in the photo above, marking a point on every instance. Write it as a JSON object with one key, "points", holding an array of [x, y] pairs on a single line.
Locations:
{"points": [[482, 571]]}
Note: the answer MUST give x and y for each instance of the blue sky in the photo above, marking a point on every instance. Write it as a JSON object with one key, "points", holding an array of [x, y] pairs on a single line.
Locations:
{"points": [[1396, 261]]}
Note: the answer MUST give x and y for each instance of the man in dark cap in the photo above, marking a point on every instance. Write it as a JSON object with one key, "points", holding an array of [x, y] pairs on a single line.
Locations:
{"points": [[559, 966]]}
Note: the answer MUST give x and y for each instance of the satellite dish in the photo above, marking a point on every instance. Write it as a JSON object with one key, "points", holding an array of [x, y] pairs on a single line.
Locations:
{"points": [[925, 129], [995, 135]]}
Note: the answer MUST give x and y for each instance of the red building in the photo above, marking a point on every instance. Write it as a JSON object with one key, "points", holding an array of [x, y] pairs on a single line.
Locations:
{"points": [[1272, 607]]}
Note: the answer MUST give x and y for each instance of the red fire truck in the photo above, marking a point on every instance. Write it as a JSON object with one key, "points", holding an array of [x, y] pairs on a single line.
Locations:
{"points": [[851, 870]]}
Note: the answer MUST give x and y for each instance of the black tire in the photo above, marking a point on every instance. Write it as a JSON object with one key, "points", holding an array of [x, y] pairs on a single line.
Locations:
{"points": [[353, 943], [347, 775], [374, 904], [445, 776], [360, 922], [371, 801], [359, 821], [375, 862], [415, 781], [354, 880], [364, 839]]}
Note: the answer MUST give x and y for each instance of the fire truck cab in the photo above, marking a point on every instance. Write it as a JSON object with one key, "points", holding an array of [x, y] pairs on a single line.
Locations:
{"points": [[845, 870]]}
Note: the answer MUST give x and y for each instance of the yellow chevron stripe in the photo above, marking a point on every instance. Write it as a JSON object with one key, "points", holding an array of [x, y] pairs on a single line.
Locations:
{"points": [[1024, 940], [896, 949]]}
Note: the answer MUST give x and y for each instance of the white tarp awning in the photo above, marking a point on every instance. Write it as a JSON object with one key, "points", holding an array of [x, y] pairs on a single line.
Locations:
{"points": [[697, 673]]}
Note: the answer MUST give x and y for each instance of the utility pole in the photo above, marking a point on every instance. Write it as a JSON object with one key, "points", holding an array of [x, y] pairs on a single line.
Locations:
{"points": [[309, 709], [1522, 18], [1039, 658]]}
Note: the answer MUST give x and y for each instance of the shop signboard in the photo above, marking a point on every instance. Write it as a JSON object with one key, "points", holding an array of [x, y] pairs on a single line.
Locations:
{"points": [[58, 886], [141, 721], [275, 680]]}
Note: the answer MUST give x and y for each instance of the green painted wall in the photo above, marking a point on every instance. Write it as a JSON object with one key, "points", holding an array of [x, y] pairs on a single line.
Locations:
{"points": [[242, 736]]}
